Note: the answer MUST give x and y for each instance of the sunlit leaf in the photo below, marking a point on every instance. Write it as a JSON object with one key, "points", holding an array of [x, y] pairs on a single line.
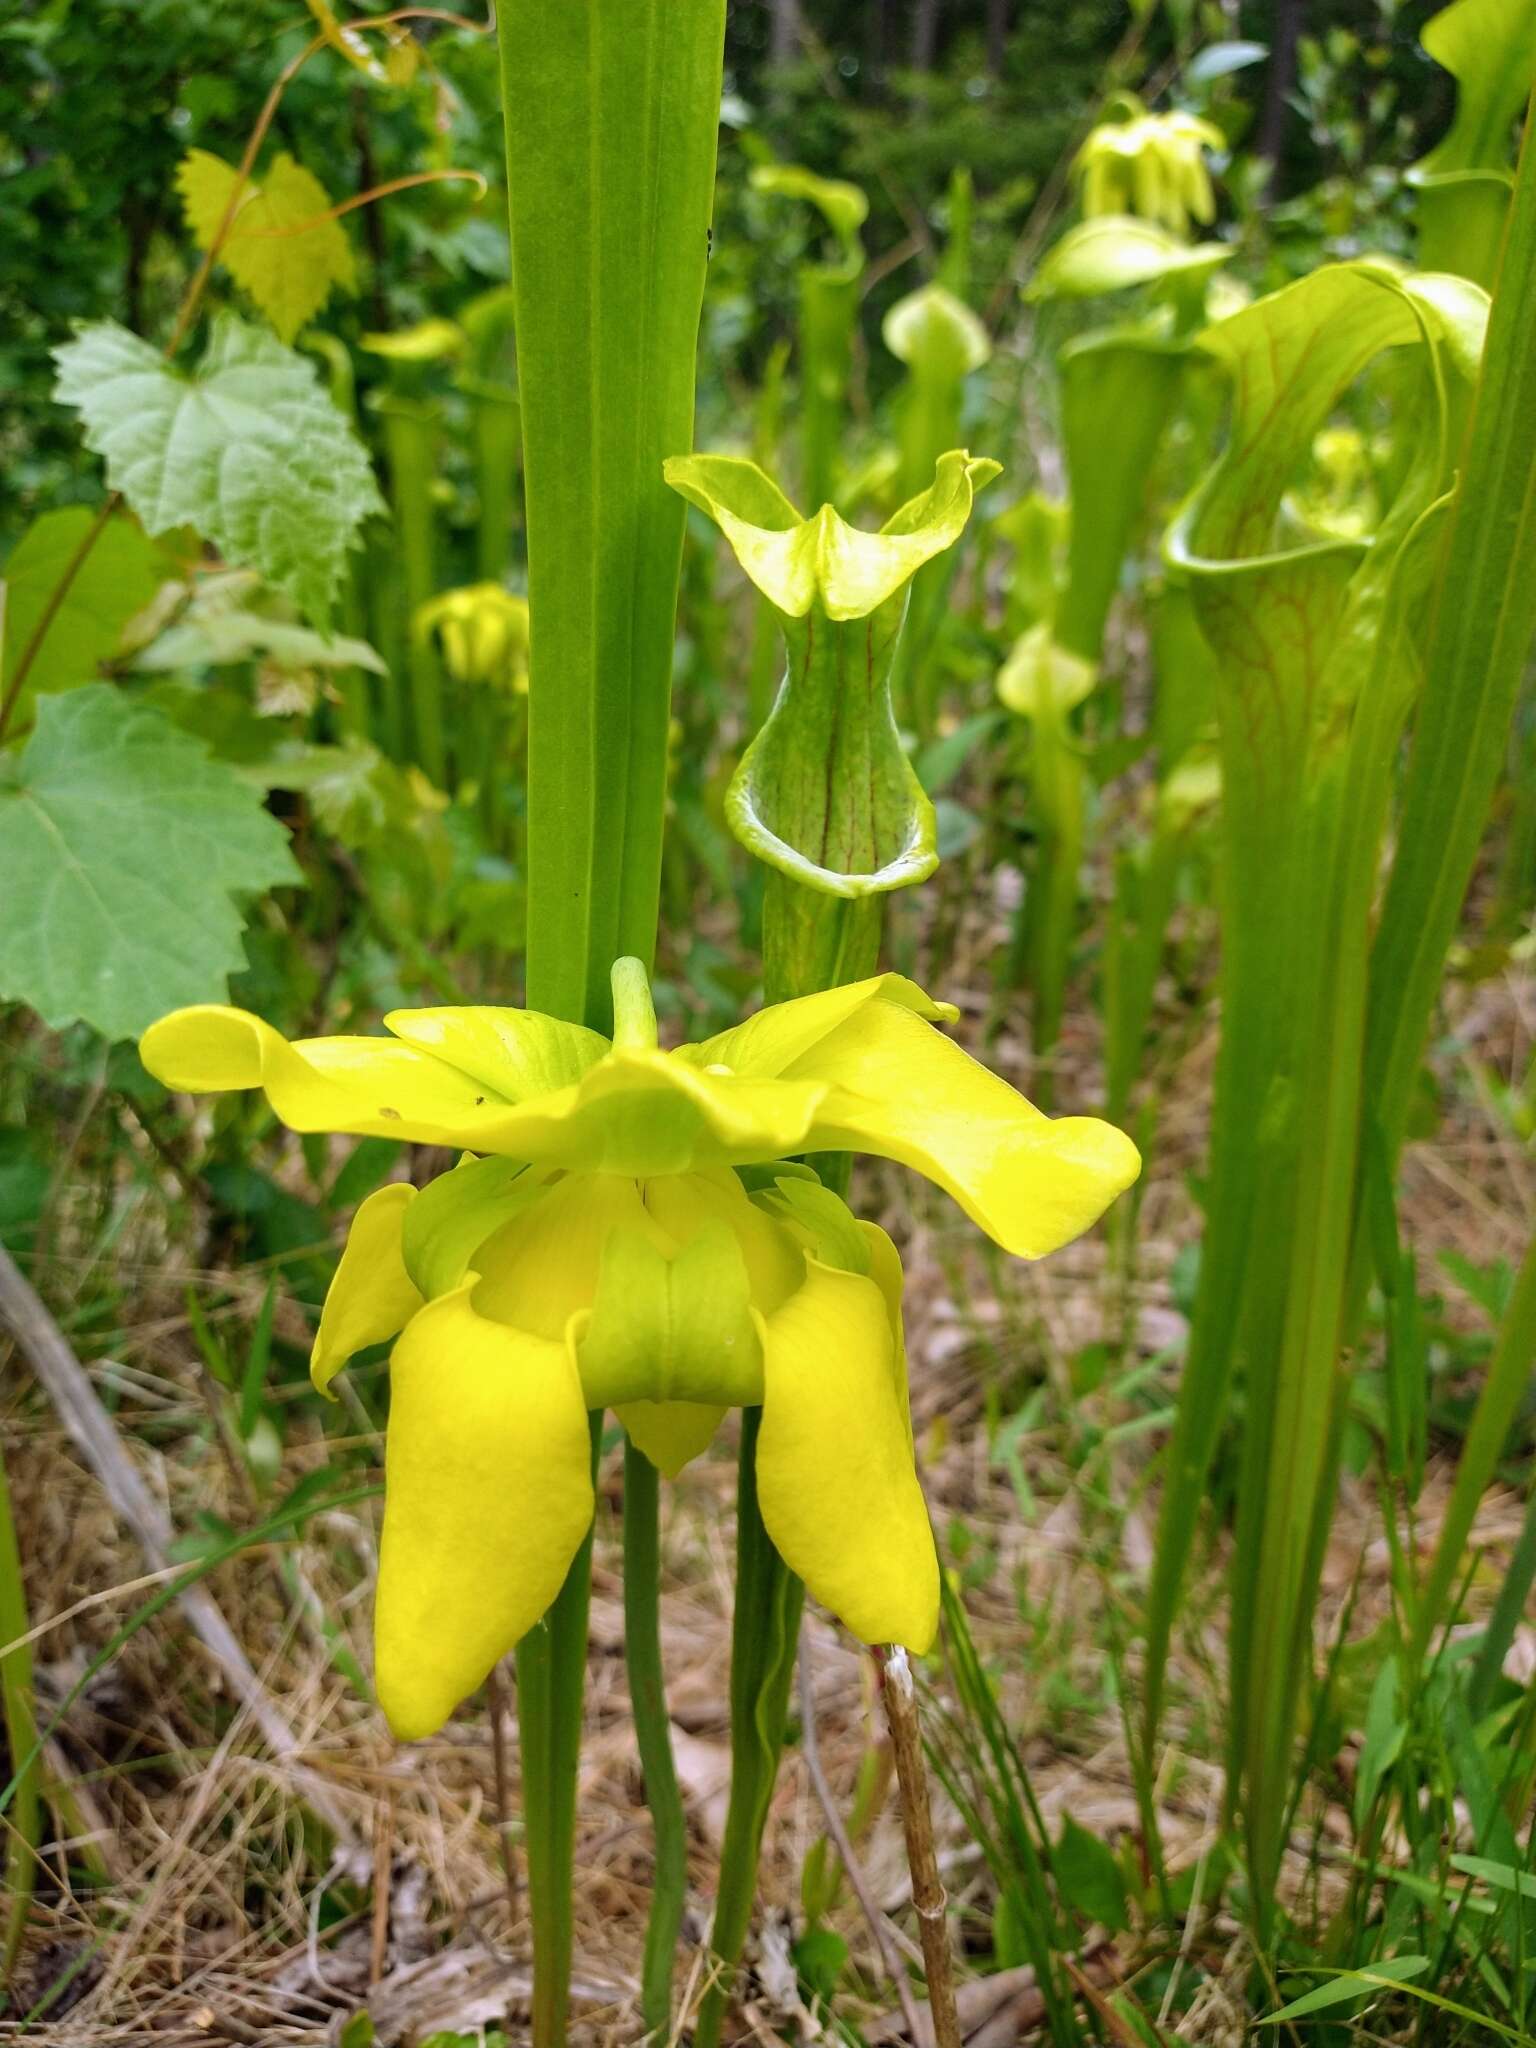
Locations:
{"points": [[429, 341], [290, 276], [125, 847], [247, 449], [1220, 60], [1382, 1976]]}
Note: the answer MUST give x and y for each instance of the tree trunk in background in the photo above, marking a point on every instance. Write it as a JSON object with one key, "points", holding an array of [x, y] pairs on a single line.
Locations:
{"points": [[1289, 19], [925, 34], [784, 45], [998, 25]]}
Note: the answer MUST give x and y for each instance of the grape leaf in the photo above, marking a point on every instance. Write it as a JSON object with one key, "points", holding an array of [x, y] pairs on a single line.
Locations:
{"points": [[118, 578], [289, 276], [248, 450], [124, 845]]}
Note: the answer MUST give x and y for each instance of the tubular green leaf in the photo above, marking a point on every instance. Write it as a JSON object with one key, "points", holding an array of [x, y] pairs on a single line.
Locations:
{"points": [[1479, 638], [611, 123], [1315, 677], [1118, 390], [611, 118]]}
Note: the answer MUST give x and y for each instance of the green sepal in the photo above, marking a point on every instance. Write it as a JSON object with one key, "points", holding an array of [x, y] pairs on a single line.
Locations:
{"points": [[454, 1215], [757, 1179], [942, 342], [822, 1219], [1041, 679], [678, 1329], [935, 334]]}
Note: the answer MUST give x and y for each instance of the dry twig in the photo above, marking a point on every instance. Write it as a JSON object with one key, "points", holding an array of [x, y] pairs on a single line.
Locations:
{"points": [[879, 1926], [928, 1894]]}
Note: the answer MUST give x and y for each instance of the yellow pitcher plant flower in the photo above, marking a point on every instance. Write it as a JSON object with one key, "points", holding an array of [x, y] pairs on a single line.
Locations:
{"points": [[1152, 165], [624, 1231], [482, 630]]}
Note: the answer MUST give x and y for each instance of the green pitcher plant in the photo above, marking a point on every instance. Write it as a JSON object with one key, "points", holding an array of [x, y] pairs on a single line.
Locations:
{"points": [[1464, 184], [825, 794], [622, 1232]]}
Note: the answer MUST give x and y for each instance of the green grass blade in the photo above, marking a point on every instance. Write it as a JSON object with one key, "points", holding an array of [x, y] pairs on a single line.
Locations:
{"points": [[22, 1830], [1509, 1375]]}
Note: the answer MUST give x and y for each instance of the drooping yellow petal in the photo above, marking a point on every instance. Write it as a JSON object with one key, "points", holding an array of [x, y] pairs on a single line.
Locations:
{"points": [[372, 1297], [835, 1478], [634, 1111], [772, 1039], [670, 1433], [905, 1092], [646, 1113], [885, 1271], [520, 1054], [370, 1087], [488, 1494]]}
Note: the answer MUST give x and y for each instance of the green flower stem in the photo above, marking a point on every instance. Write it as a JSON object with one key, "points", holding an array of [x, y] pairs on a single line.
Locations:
{"points": [[551, 1675], [765, 1627], [764, 1632], [410, 433], [648, 1704], [24, 1820]]}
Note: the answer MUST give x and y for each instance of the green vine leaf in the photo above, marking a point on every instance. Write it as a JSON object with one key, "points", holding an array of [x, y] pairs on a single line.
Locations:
{"points": [[116, 580], [124, 845], [248, 450], [290, 276]]}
